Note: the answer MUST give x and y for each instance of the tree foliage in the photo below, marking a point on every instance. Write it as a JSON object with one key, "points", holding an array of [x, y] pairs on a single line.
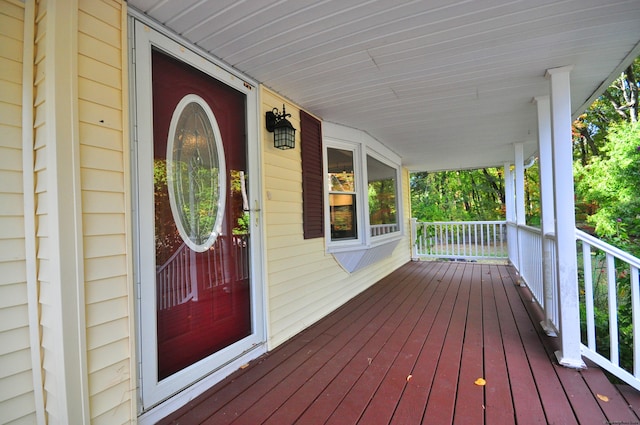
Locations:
{"points": [[607, 174]]}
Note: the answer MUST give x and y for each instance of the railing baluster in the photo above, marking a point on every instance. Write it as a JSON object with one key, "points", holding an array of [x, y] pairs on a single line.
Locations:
{"points": [[635, 308], [588, 295], [613, 309]]}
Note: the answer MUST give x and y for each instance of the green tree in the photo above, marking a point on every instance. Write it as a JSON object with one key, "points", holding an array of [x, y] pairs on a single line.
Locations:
{"points": [[610, 183]]}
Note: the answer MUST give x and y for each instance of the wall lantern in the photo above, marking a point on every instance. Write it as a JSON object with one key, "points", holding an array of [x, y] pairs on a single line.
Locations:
{"points": [[284, 135]]}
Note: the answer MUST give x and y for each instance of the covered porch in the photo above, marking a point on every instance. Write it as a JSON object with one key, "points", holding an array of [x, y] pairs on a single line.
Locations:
{"points": [[410, 349]]}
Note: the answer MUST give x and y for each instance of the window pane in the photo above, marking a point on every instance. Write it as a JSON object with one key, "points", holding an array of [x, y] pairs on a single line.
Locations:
{"points": [[382, 197], [340, 168], [343, 216]]}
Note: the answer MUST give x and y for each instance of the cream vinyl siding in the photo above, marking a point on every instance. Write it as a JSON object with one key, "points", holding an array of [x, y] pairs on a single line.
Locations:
{"points": [[304, 282], [99, 163], [17, 400], [104, 184]]}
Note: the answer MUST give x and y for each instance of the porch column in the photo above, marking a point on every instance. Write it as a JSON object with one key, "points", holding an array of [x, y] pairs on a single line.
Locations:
{"points": [[565, 224], [546, 208], [518, 150], [519, 169], [510, 216]]}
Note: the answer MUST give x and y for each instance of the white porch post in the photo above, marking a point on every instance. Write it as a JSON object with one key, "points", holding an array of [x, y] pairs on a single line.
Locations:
{"points": [[519, 201], [512, 232], [565, 225], [519, 169], [546, 208]]}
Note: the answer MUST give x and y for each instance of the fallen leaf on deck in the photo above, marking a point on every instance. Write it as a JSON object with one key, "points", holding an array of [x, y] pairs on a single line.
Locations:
{"points": [[603, 398], [244, 366], [480, 382]]}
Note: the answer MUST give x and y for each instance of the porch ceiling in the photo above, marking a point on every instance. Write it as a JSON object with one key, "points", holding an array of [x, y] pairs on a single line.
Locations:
{"points": [[446, 84]]}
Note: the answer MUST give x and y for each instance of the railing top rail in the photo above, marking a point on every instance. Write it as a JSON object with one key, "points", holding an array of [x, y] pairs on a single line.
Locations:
{"points": [[464, 222], [610, 249]]}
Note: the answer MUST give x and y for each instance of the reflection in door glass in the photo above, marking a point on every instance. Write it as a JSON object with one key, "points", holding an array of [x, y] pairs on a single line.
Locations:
{"points": [[195, 173]]}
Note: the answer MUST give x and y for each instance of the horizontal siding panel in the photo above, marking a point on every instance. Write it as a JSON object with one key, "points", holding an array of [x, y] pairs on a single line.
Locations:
{"points": [[101, 159], [292, 206], [19, 410], [285, 174], [12, 10], [11, 227], [16, 362], [99, 50], [12, 272], [10, 114], [284, 218], [92, 27], [105, 267], [10, 48], [105, 289], [11, 70], [14, 385], [108, 377], [107, 311], [287, 160], [102, 181], [106, 355], [11, 91], [102, 202], [11, 137], [285, 185], [100, 136], [13, 295], [301, 249], [107, 400], [107, 12], [107, 333], [93, 113], [103, 224], [14, 340], [289, 241], [14, 317], [280, 195], [10, 181], [96, 92], [11, 205], [104, 246], [92, 69], [10, 159], [10, 27], [118, 415]]}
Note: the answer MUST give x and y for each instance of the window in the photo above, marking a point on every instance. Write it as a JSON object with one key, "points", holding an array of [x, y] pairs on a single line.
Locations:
{"points": [[342, 194], [362, 190], [383, 209], [363, 214]]}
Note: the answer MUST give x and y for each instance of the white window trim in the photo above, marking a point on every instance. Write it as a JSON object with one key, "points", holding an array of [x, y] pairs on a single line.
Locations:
{"points": [[340, 137]]}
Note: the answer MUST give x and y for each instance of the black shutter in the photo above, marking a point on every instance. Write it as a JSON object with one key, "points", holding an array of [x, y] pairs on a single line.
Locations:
{"points": [[312, 176]]}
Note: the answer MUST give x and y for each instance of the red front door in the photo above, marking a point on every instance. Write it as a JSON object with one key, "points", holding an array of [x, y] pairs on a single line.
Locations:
{"points": [[201, 234]]}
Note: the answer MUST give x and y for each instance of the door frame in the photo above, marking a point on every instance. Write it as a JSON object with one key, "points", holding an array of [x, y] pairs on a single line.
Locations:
{"points": [[156, 399]]}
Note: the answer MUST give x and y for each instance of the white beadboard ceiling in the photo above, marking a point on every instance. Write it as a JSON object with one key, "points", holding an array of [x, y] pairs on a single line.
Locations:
{"points": [[445, 84]]}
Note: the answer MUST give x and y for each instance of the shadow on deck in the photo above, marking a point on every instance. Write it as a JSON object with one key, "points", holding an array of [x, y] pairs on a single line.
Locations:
{"points": [[409, 350]]}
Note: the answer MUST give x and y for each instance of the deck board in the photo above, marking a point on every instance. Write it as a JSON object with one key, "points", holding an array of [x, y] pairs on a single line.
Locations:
{"points": [[408, 351]]}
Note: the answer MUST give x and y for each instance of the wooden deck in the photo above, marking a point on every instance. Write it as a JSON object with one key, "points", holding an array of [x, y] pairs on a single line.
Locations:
{"points": [[408, 351]]}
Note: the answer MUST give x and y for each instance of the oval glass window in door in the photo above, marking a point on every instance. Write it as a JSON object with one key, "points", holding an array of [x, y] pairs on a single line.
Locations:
{"points": [[196, 173]]}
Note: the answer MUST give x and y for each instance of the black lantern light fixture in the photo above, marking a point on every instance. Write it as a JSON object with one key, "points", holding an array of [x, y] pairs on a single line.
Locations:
{"points": [[284, 134]]}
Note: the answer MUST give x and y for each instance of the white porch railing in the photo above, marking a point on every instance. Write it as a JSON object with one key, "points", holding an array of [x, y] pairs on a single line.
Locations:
{"points": [[608, 279], [460, 240], [610, 282]]}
